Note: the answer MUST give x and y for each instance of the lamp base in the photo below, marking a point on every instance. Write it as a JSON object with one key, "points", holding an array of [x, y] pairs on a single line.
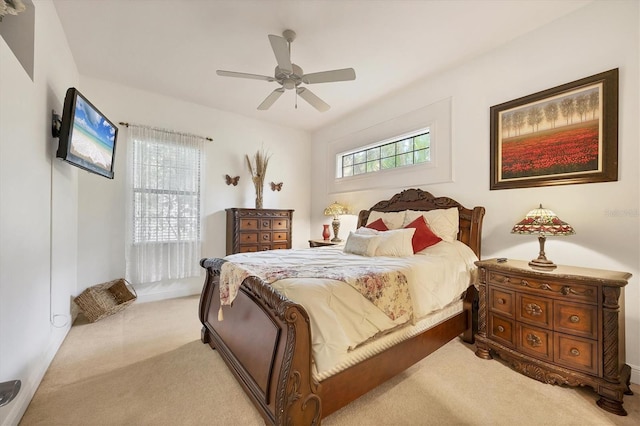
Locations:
{"points": [[542, 263]]}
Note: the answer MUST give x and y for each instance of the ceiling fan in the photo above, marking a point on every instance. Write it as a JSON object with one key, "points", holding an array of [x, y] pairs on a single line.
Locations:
{"points": [[290, 76]]}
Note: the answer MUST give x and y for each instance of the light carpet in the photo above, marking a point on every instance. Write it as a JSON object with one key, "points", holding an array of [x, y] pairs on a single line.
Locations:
{"points": [[147, 366]]}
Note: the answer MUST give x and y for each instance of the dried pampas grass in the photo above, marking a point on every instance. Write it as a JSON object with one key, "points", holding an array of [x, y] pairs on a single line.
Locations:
{"points": [[258, 172]]}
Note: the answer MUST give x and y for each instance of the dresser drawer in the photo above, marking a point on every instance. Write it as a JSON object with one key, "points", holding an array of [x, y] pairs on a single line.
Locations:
{"points": [[248, 249], [542, 287], [248, 237], [265, 237], [502, 301], [576, 352], [279, 224], [279, 237], [279, 246], [248, 224], [534, 310], [576, 319], [501, 329], [265, 224], [535, 341]]}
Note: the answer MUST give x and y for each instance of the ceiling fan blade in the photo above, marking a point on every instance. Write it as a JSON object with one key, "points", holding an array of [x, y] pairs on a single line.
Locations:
{"points": [[280, 48], [273, 96], [313, 100], [345, 74], [244, 75]]}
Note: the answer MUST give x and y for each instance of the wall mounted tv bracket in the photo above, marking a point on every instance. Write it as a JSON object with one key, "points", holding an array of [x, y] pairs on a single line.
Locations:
{"points": [[56, 122]]}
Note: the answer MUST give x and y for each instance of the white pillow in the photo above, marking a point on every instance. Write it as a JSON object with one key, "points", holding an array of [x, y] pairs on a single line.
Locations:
{"points": [[363, 245], [393, 220], [396, 243], [443, 222], [363, 230]]}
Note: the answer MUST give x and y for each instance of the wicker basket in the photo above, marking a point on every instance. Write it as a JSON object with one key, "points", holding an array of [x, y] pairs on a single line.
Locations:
{"points": [[105, 299]]}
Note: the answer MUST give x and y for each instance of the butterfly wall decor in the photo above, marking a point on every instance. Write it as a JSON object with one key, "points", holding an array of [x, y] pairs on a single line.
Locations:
{"points": [[276, 186], [232, 180]]}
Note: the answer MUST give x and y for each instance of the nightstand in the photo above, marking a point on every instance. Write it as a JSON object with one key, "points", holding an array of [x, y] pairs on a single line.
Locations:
{"points": [[321, 243], [560, 326]]}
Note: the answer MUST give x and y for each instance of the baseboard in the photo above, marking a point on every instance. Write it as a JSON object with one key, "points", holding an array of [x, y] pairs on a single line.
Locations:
{"points": [[635, 374], [167, 290], [30, 384]]}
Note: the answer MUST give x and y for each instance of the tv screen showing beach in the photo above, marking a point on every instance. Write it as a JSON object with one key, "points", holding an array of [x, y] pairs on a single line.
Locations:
{"points": [[92, 137]]}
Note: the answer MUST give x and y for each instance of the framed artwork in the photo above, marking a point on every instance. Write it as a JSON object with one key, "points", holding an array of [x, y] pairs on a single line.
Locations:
{"points": [[564, 135]]}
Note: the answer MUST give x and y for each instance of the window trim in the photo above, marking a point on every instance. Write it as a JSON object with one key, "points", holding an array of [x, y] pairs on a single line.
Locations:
{"points": [[435, 116]]}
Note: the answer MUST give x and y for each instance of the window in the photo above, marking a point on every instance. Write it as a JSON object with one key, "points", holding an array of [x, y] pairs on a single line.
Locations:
{"points": [[405, 151], [166, 192], [164, 209]]}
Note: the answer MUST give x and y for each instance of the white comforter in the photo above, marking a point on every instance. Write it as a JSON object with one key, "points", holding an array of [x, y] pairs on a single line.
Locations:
{"points": [[341, 318]]}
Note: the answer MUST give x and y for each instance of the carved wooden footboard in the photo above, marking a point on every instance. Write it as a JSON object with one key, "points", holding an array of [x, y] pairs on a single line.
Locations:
{"points": [[265, 340]]}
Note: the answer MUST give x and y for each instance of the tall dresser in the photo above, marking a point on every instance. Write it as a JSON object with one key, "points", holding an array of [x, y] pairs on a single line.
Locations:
{"points": [[560, 326], [250, 230]]}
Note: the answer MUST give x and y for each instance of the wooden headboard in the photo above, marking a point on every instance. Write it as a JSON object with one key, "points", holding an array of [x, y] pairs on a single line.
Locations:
{"points": [[470, 231]]}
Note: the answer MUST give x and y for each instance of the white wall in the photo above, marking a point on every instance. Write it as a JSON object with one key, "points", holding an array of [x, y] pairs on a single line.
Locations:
{"points": [[101, 212], [38, 211], [599, 37]]}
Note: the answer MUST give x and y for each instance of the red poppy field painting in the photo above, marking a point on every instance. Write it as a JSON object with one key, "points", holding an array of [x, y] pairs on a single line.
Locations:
{"points": [[563, 135]]}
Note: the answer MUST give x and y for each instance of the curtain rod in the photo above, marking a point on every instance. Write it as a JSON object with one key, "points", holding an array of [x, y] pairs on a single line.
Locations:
{"points": [[122, 123]]}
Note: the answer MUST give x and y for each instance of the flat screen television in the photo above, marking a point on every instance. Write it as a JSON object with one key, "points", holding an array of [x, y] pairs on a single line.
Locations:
{"points": [[87, 138]]}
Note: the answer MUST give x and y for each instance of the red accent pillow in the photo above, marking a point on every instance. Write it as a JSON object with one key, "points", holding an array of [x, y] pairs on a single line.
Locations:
{"points": [[424, 236], [378, 225]]}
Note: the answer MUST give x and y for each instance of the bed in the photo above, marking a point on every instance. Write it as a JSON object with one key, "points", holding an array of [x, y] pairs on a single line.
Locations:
{"points": [[265, 338]]}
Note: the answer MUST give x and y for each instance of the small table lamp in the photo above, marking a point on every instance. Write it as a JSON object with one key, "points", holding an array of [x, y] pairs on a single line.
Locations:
{"points": [[543, 222], [335, 210]]}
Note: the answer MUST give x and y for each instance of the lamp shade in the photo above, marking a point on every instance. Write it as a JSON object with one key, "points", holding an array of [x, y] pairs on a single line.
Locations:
{"points": [[542, 221], [335, 209]]}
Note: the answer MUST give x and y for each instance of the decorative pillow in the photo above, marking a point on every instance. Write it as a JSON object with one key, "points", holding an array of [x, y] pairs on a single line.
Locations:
{"points": [[378, 225], [396, 242], [392, 220], [363, 230], [363, 245], [443, 222], [423, 236]]}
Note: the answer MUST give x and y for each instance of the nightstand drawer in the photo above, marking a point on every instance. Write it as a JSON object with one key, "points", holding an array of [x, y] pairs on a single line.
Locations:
{"points": [[501, 330], [534, 310], [542, 287], [501, 301], [575, 319], [576, 352], [535, 341]]}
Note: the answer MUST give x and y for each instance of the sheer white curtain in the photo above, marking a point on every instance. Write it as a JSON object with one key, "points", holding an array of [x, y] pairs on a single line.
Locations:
{"points": [[163, 205]]}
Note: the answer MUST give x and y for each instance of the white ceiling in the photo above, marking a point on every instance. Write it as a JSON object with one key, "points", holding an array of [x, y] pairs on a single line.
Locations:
{"points": [[175, 47]]}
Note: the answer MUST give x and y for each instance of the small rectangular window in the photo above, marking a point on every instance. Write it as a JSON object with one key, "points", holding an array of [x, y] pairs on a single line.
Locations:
{"points": [[387, 155]]}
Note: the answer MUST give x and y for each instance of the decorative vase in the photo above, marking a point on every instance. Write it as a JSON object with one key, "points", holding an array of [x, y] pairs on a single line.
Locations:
{"points": [[258, 185], [325, 232]]}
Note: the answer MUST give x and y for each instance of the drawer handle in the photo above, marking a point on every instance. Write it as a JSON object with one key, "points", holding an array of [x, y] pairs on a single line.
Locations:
{"points": [[574, 352], [534, 340], [501, 301], [501, 329], [533, 309], [574, 318]]}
